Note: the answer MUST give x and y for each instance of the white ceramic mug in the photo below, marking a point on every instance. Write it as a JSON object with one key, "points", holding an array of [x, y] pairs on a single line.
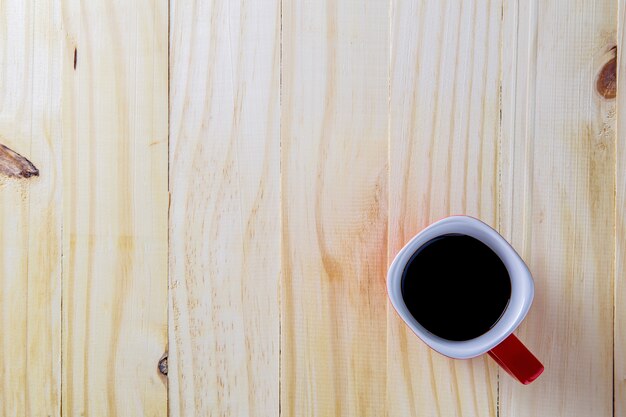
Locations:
{"points": [[499, 342]]}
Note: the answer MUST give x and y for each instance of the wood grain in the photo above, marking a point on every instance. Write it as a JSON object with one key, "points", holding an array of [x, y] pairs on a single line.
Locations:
{"points": [[619, 351], [558, 202], [115, 207], [30, 211], [308, 142], [224, 226], [334, 207], [444, 130]]}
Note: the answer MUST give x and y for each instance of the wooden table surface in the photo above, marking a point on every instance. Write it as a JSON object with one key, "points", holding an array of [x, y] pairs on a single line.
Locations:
{"points": [[223, 184]]}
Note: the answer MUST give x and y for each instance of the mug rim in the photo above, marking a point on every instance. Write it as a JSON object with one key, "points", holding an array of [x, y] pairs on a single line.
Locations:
{"points": [[522, 286]]}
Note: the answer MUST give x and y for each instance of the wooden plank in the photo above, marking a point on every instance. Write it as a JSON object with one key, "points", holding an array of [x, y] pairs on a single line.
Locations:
{"points": [[619, 352], [334, 207], [558, 203], [225, 235], [30, 210], [444, 130], [115, 207]]}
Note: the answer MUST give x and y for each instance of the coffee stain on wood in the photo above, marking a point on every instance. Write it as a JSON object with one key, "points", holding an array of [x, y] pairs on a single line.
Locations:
{"points": [[14, 165]]}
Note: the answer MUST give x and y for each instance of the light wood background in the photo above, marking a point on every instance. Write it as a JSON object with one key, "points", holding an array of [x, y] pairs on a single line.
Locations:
{"points": [[223, 183]]}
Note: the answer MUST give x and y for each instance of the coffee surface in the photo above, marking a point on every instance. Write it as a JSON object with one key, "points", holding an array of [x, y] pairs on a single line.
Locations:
{"points": [[456, 287]]}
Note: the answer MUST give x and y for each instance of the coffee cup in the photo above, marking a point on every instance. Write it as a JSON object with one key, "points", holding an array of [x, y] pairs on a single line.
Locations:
{"points": [[463, 290]]}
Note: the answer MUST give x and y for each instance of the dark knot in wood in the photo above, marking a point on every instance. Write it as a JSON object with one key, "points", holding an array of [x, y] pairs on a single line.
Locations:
{"points": [[14, 165], [163, 365], [607, 80]]}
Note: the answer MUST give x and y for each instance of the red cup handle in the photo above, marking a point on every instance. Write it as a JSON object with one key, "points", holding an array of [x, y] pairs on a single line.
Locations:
{"points": [[518, 361]]}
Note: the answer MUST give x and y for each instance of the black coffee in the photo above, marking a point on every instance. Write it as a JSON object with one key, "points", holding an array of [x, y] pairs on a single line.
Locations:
{"points": [[456, 287]]}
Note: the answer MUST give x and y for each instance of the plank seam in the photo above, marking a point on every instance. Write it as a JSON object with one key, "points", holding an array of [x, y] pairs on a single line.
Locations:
{"points": [[280, 213], [614, 281], [169, 204], [32, 94]]}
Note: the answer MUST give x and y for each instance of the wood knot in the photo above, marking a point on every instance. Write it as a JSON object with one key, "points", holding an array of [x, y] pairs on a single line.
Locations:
{"points": [[163, 365], [14, 165], [606, 83]]}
